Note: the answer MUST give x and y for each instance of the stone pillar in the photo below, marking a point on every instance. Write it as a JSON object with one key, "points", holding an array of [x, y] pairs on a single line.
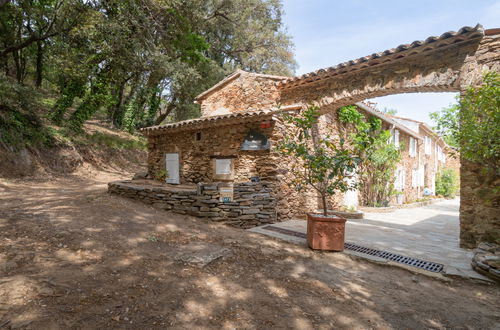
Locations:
{"points": [[479, 205], [479, 189]]}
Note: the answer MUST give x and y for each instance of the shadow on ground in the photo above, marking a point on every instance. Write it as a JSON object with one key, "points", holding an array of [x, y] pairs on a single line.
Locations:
{"points": [[72, 256]]}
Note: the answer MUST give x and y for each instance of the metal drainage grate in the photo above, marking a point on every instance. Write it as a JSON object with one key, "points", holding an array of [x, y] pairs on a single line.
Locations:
{"points": [[422, 264]]}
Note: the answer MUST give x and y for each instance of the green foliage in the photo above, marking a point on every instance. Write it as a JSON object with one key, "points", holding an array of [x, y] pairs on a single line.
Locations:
{"points": [[472, 125], [447, 183], [378, 157], [138, 62], [479, 133], [161, 175], [447, 124], [19, 125], [322, 163]]}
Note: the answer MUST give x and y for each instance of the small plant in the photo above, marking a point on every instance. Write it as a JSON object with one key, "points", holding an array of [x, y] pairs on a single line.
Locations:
{"points": [[324, 164], [153, 238], [447, 183], [350, 208], [161, 175]]}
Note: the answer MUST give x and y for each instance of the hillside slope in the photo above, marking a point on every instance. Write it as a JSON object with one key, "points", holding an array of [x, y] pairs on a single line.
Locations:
{"points": [[97, 148]]}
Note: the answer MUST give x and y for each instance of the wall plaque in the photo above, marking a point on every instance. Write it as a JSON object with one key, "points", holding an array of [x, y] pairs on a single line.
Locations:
{"points": [[226, 194], [223, 166], [255, 140]]}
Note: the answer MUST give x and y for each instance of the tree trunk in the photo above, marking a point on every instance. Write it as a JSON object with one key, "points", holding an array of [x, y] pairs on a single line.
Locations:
{"points": [[323, 200], [116, 111], [39, 64], [164, 115]]}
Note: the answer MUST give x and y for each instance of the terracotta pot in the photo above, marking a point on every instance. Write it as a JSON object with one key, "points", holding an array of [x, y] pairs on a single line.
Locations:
{"points": [[325, 233]]}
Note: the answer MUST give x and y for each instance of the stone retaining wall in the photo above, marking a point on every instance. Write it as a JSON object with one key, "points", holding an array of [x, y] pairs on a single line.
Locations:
{"points": [[253, 204]]}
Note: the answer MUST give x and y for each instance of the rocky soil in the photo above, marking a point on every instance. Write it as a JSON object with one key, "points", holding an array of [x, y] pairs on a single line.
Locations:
{"points": [[73, 256]]}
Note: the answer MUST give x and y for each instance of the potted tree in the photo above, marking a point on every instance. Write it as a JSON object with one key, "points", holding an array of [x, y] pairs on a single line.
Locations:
{"points": [[322, 163]]}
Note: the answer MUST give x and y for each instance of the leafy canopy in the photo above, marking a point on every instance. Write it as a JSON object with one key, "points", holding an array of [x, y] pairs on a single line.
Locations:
{"points": [[137, 63], [472, 125]]}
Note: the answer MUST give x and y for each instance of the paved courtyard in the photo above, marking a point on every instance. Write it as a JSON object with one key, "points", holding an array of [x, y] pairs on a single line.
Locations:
{"points": [[430, 233]]}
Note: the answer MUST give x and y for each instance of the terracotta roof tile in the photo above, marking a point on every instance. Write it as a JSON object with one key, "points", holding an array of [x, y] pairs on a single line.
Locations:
{"points": [[226, 119], [416, 47]]}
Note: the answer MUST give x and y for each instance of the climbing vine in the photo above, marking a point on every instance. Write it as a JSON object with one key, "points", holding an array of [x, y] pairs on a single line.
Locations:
{"points": [[378, 157]]}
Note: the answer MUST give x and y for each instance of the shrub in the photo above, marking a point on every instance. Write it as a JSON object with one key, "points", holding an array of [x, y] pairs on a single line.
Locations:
{"points": [[378, 157], [323, 164], [20, 126], [447, 183]]}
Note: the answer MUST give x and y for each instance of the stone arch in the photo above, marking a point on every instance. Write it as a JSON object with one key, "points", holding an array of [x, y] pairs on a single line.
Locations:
{"points": [[448, 63]]}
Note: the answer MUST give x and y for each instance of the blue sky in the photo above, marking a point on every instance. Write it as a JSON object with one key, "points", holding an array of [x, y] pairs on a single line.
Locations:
{"points": [[328, 32]]}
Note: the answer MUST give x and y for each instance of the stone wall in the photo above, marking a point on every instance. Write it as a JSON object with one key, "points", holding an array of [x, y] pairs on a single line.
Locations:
{"points": [[479, 196], [246, 92], [254, 203], [196, 161], [196, 156]]}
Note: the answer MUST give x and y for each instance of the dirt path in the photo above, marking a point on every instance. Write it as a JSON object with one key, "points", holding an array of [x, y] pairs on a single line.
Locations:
{"points": [[72, 256]]}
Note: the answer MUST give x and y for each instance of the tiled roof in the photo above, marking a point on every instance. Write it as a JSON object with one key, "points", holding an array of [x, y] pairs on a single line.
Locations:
{"points": [[423, 124], [404, 50], [221, 120], [233, 76], [387, 118], [231, 118]]}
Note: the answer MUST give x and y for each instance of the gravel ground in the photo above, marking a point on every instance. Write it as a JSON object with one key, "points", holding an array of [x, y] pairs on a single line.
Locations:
{"points": [[74, 257]]}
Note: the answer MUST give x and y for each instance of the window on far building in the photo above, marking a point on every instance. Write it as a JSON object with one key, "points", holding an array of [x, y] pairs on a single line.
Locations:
{"points": [[395, 138], [414, 178], [428, 145], [399, 183], [413, 147], [440, 155]]}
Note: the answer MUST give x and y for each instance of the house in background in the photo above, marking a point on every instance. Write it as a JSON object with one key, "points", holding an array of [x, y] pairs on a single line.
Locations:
{"points": [[424, 154]]}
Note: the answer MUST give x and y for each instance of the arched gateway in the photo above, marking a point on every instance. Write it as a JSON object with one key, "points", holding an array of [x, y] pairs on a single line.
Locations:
{"points": [[240, 178], [449, 63]]}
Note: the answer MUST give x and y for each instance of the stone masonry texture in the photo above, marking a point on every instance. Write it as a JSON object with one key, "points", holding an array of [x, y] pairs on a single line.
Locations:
{"points": [[451, 68]]}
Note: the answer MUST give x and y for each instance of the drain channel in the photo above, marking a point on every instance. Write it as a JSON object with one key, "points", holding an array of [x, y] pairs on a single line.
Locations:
{"points": [[418, 263]]}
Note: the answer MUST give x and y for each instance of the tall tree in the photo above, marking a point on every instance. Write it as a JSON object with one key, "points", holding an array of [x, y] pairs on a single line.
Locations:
{"points": [[139, 62]]}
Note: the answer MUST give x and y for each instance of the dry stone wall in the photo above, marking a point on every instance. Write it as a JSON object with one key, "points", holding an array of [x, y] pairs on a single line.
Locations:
{"points": [[247, 92], [196, 157], [479, 196], [254, 203]]}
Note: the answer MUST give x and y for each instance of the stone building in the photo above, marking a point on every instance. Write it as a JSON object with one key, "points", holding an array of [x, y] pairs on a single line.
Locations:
{"points": [[231, 145], [423, 154], [233, 140]]}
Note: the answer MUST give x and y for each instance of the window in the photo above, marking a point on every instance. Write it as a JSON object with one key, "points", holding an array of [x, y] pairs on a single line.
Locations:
{"points": [[413, 147], [421, 176], [197, 136], [395, 138], [439, 152], [414, 178], [399, 183], [428, 145], [222, 166]]}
